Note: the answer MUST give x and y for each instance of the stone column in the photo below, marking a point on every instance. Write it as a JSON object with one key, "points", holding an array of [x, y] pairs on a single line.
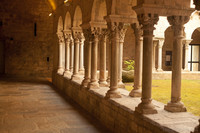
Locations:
{"points": [[187, 42], [160, 45], [88, 45], [81, 53], [67, 72], [60, 53], [177, 22], [102, 73], [121, 43], [71, 54], [154, 56], [94, 82], [136, 92], [116, 29], [75, 75], [147, 21], [109, 60]]}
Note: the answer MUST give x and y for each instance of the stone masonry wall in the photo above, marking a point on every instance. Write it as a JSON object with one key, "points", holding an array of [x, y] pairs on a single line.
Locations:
{"points": [[26, 29]]}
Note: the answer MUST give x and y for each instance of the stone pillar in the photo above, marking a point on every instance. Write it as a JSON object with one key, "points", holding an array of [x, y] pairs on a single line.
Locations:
{"points": [[95, 41], [136, 92], [81, 53], [160, 45], [186, 48], [121, 43], [88, 45], [75, 75], [102, 73], [71, 54], [67, 72], [177, 22], [116, 29], [60, 53], [154, 56], [109, 60], [147, 21]]}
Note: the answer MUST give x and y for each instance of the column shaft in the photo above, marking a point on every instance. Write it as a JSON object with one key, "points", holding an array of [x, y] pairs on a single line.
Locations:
{"points": [[67, 72], [75, 75], [136, 92], [154, 56], [120, 83], [81, 55], [71, 55], [187, 42], [160, 45], [60, 53], [102, 79], [94, 82], [88, 44]]}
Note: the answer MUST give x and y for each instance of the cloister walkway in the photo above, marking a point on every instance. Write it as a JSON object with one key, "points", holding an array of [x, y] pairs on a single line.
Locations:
{"points": [[34, 106]]}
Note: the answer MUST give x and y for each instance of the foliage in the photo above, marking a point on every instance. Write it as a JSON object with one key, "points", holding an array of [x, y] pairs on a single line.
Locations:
{"points": [[190, 90], [130, 64]]}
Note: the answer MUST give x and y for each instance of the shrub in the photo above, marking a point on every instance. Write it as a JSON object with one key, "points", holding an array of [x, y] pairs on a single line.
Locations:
{"points": [[130, 64]]}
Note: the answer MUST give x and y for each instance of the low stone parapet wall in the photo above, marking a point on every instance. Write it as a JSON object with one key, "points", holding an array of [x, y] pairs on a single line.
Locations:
{"points": [[119, 114]]}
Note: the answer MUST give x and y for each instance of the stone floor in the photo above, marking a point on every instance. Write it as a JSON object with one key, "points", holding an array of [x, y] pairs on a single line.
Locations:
{"points": [[36, 107]]}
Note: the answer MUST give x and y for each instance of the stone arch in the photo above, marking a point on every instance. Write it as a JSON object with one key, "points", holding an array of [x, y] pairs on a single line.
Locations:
{"points": [[60, 24], [99, 10], [196, 36], [77, 17], [67, 24]]}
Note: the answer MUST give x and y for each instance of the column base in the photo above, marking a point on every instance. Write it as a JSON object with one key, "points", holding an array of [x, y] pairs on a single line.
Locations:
{"points": [[121, 84], [93, 85], [81, 72], [159, 70], [60, 71], [67, 74], [175, 107], [146, 108], [103, 84], [76, 77], [154, 69], [135, 93], [186, 70], [113, 94], [85, 83], [197, 129]]}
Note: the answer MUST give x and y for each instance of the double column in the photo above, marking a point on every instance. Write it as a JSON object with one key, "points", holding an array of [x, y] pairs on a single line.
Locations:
{"points": [[60, 52], [68, 35], [116, 29], [136, 92], [147, 21], [177, 22], [94, 53]]}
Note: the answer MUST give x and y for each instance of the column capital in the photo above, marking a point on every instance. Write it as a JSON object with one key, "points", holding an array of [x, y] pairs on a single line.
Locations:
{"points": [[117, 29], [177, 23], [148, 21], [60, 37], [161, 42], [68, 35], [137, 30]]}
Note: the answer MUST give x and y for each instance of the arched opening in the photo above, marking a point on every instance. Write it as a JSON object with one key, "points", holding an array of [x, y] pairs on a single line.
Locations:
{"points": [[194, 51], [77, 17], [99, 11], [67, 24], [60, 25]]}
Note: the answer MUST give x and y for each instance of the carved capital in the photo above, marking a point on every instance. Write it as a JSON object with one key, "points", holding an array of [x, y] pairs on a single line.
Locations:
{"points": [[60, 37], [137, 28], [68, 36], [117, 30], [160, 42], [148, 21], [177, 23]]}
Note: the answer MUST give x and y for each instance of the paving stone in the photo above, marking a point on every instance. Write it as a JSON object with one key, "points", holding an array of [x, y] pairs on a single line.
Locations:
{"points": [[27, 107]]}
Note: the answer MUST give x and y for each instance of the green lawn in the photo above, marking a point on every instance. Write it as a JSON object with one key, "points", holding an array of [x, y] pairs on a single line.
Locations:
{"points": [[190, 93]]}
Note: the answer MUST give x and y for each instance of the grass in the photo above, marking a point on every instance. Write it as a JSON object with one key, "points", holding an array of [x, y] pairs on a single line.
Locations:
{"points": [[190, 93]]}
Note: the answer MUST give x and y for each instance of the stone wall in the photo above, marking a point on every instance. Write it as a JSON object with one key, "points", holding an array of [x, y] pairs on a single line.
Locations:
{"points": [[26, 29], [119, 114]]}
